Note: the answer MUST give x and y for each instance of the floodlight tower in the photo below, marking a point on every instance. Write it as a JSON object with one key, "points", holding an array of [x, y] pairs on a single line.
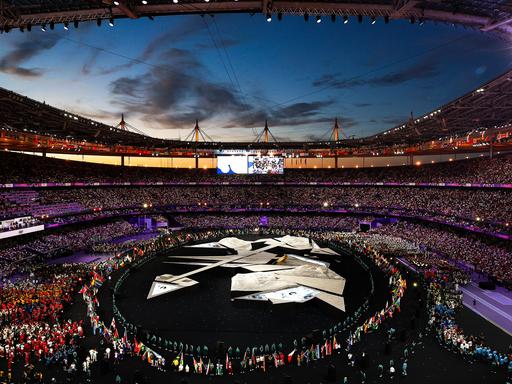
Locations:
{"points": [[122, 123], [265, 135], [336, 130]]}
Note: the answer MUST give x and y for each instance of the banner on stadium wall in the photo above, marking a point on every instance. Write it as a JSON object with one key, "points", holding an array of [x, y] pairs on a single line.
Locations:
{"points": [[21, 231]]}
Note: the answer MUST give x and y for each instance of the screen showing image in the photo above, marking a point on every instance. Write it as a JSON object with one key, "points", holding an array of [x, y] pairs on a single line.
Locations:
{"points": [[231, 165], [266, 165]]}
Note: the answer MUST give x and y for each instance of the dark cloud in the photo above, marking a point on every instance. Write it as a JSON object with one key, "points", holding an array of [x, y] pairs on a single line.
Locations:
{"points": [[161, 43], [175, 86], [291, 115], [425, 69], [175, 94], [24, 49]]}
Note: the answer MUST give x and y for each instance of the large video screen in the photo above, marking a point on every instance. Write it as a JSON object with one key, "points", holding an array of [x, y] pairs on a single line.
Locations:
{"points": [[231, 165], [265, 165]]}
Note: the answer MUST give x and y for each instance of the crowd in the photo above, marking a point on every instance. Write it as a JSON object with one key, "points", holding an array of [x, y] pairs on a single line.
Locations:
{"points": [[19, 256], [315, 222], [43, 170], [73, 240], [487, 209], [491, 259], [443, 301], [33, 329]]}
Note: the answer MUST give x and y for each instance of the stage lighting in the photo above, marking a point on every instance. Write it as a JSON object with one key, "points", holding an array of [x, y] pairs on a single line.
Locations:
{"points": [[75, 23], [269, 17], [175, 1], [333, 18], [111, 22], [280, 16], [43, 27], [306, 17], [66, 26], [52, 25], [116, 3], [345, 19], [98, 22], [318, 19], [373, 20], [145, 2], [386, 19], [360, 18]]}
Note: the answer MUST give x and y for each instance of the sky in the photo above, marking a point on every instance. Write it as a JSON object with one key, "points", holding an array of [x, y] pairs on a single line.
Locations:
{"points": [[232, 72]]}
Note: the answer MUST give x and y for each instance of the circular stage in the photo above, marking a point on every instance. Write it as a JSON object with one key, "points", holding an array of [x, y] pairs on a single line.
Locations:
{"points": [[208, 312]]}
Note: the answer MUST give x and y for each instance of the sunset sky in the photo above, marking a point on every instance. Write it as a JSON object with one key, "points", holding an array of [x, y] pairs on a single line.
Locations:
{"points": [[234, 71]]}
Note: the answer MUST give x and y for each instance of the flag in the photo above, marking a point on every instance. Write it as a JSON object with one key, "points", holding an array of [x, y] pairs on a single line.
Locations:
{"points": [[290, 355], [83, 290]]}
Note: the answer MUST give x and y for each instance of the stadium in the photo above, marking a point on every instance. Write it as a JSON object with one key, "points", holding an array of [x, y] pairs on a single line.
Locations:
{"points": [[238, 192]]}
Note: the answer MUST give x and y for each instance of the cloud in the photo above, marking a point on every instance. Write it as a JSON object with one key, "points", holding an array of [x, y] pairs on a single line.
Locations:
{"points": [[160, 43], [425, 69], [304, 113], [26, 48], [174, 94]]}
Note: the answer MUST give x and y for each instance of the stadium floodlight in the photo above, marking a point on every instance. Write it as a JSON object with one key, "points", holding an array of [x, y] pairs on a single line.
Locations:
{"points": [[345, 19], [175, 1], [318, 19], [373, 20], [145, 2], [66, 26], [269, 17], [43, 27], [116, 3], [111, 22]]}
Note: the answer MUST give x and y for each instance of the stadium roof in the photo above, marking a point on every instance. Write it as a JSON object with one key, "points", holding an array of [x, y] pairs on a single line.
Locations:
{"points": [[486, 15], [486, 108]]}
